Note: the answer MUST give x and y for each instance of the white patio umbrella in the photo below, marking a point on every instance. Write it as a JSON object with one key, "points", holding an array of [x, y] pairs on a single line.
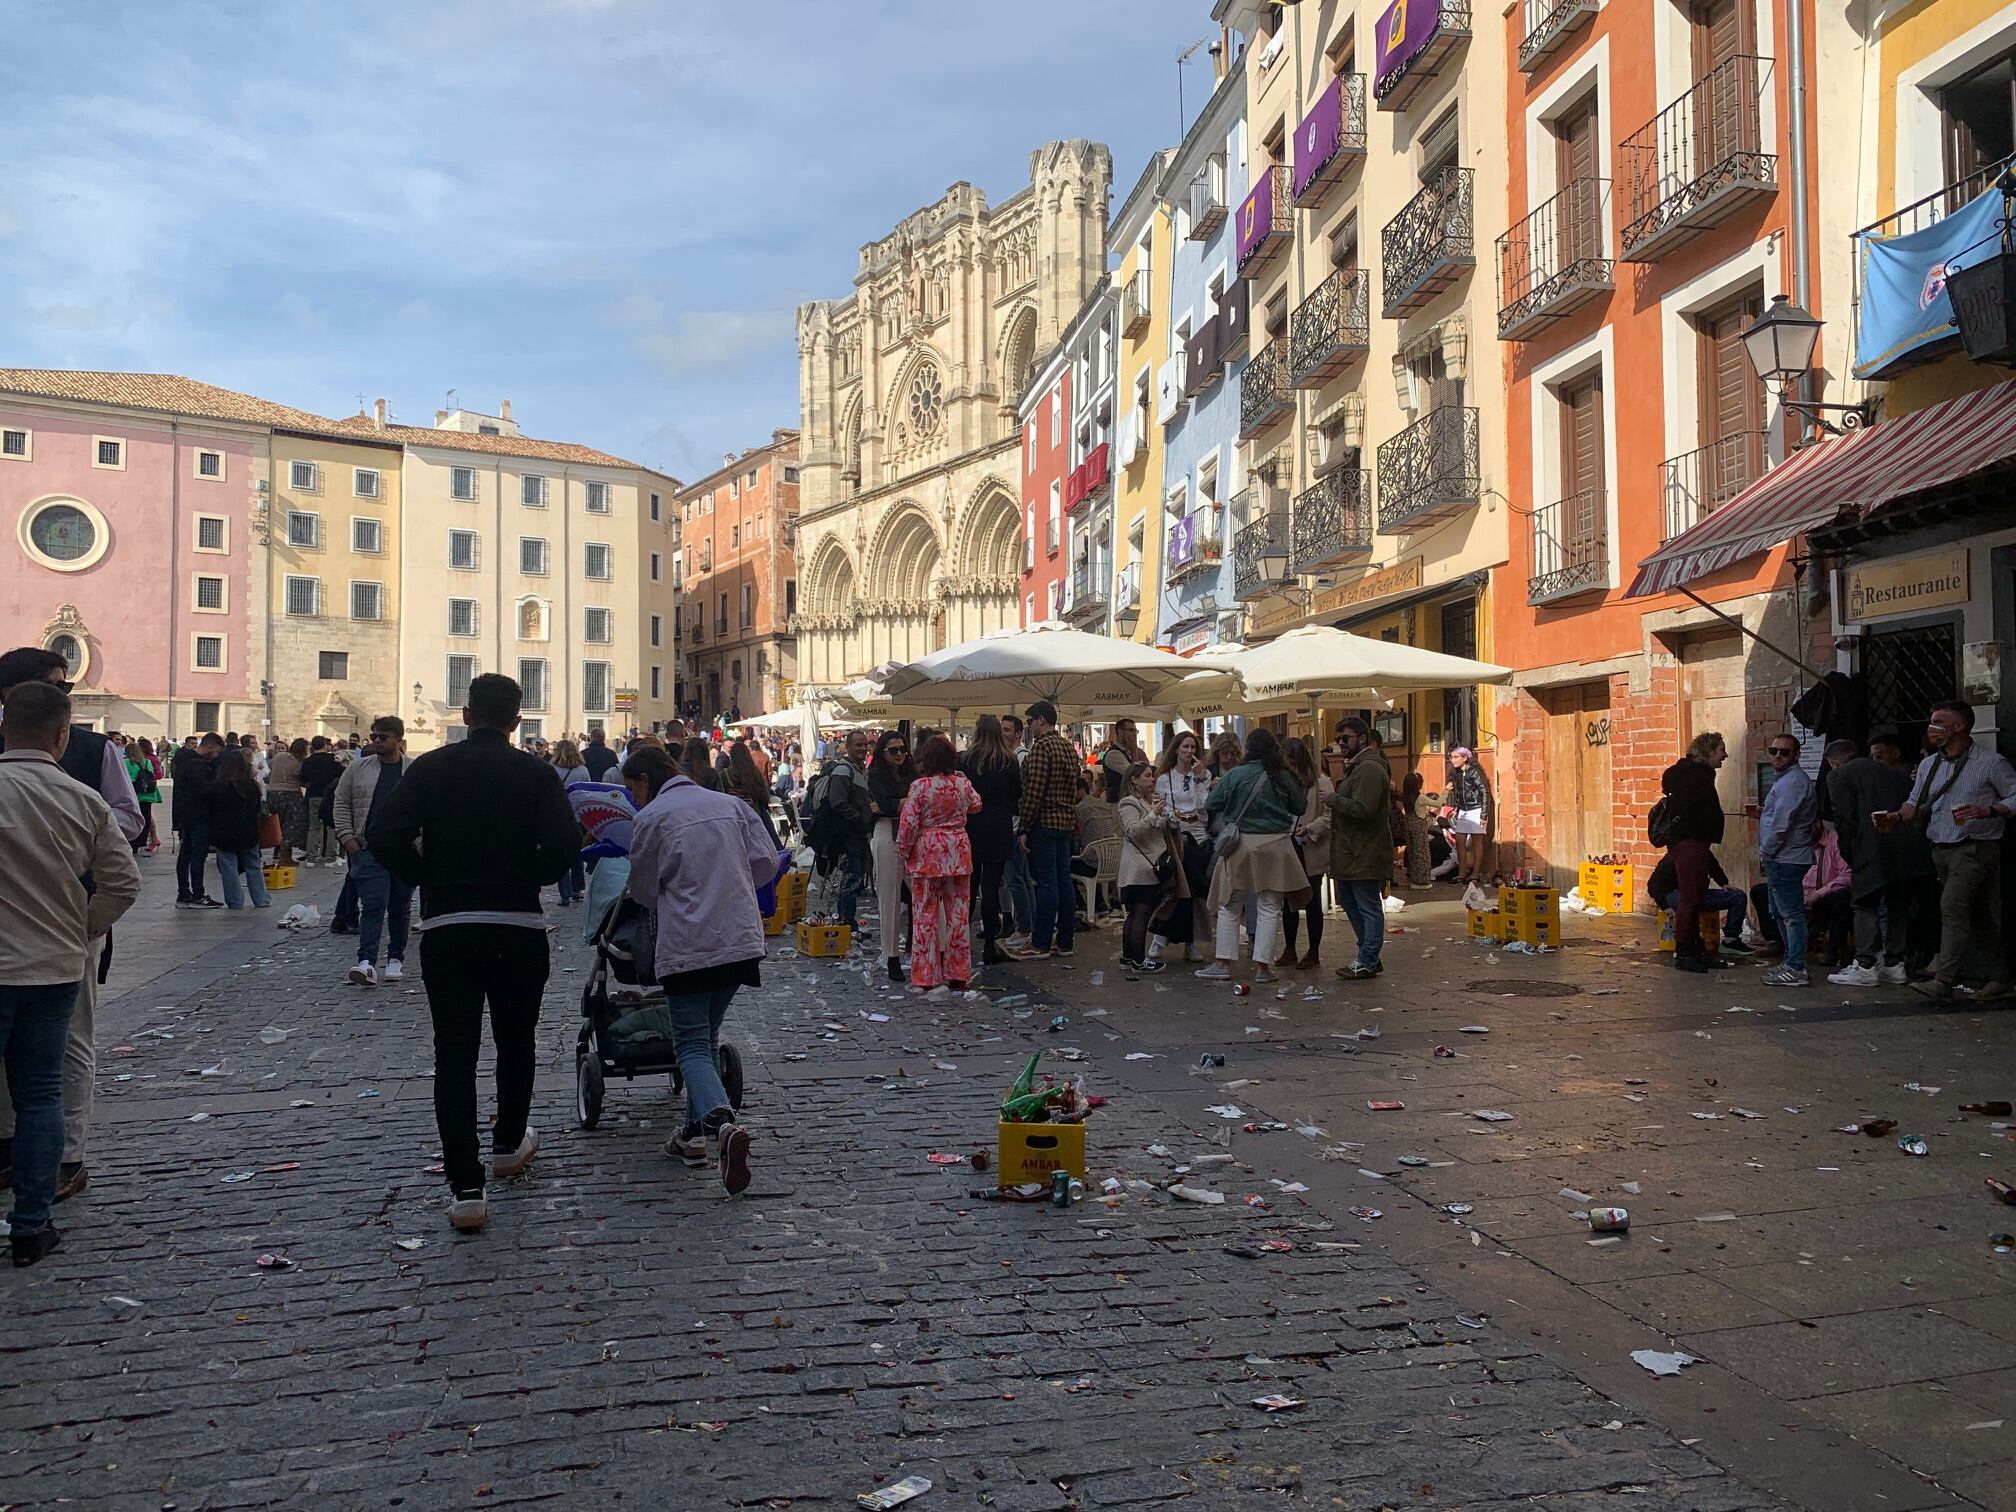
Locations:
{"points": [[1317, 662], [1070, 668], [777, 719]]}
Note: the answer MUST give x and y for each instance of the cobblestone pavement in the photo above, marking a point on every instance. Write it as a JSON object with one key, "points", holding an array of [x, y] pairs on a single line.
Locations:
{"points": [[625, 1334]]}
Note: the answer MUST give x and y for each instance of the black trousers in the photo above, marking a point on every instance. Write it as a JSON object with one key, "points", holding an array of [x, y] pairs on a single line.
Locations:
{"points": [[464, 965]]}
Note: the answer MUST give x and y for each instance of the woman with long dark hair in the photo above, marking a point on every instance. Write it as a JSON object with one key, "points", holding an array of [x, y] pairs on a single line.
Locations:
{"points": [[235, 805], [1259, 803], [937, 856], [991, 768], [1183, 785], [889, 777], [697, 757], [1312, 839], [745, 780]]}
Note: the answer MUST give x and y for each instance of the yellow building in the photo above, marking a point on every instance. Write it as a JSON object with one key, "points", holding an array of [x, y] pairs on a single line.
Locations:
{"points": [[332, 623], [1140, 238]]}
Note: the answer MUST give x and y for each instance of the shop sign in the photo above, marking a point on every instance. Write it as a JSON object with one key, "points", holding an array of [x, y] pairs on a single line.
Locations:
{"points": [[1401, 577], [625, 700], [1903, 585]]}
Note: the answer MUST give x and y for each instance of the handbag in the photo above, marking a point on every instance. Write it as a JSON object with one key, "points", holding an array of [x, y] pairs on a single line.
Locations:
{"points": [[1225, 844], [270, 835]]}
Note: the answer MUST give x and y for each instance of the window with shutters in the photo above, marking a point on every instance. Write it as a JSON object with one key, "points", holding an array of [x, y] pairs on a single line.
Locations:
{"points": [[304, 530], [532, 682], [462, 550], [332, 666], [1440, 146], [367, 600], [1571, 540], [461, 616], [462, 483], [1731, 447], [461, 673], [303, 594], [532, 492], [303, 477], [367, 536], [595, 687], [532, 556], [597, 626], [595, 561], [748, 605]]}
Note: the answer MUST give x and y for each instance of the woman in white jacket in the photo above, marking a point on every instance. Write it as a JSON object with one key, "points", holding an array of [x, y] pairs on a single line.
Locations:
{"points": [[1145, 830]]}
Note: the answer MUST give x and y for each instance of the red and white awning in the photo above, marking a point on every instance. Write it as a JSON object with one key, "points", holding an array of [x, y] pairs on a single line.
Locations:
{"points": [[1855, 475]]}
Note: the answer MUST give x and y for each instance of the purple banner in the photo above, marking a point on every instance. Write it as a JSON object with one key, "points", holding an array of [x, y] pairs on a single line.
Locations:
{"points": [[1183, 541], [1256, 214], [1406, 27], [1320, 134]]}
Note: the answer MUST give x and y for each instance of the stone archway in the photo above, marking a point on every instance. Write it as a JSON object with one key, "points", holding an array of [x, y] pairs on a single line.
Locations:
{"points": [[991, 538]]}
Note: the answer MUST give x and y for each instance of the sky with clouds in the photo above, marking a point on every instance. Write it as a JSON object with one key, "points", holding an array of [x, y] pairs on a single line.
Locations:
{"points": [[606, 211]]}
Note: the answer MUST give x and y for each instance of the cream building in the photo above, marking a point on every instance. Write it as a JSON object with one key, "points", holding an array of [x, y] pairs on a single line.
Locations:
{"points": [[531, 558], [909, 533]]}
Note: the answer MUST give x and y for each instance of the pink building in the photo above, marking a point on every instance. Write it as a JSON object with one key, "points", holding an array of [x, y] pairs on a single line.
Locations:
{"points": [[134, 504]]}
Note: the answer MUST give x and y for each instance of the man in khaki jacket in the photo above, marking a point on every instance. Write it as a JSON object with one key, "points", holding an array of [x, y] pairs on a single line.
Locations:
{"points": [[1361, 842], [69, 875]]}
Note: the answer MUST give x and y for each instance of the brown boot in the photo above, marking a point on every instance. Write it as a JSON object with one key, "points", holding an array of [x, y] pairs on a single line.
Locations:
{"points": [[1308, 962], [71, 1179]]}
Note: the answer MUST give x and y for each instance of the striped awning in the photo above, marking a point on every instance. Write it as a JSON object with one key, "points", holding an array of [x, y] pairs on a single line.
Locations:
{"points": [[1854, 475]]}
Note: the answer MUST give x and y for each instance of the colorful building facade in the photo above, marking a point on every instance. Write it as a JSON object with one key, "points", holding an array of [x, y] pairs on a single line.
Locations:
{"points": [[1140, 236], [1043, 415], [739, 583]]}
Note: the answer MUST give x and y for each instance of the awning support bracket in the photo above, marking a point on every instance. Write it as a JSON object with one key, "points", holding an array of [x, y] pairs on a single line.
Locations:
{"points": [[1737, 624]]}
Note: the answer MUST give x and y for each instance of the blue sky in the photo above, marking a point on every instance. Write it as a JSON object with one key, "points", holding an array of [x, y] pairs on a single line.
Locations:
{"points": [[606, 211]]}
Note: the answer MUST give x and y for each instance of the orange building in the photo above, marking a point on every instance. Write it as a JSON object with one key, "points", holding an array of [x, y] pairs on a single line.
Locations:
{"points": [[737, 583], [1656, 213]]}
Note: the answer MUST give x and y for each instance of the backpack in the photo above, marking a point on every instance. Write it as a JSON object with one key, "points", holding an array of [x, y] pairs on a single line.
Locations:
{"points": [[1659, 823], [143, 780], [828, 824]]}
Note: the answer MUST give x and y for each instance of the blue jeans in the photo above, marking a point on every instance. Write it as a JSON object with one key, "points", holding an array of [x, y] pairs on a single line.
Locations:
{"points": [[853, 877], [1734, 907], [1056, 910], [696, 1033], [189, 858], [1021, 902], [1786, 880], [242, 873], [1365, 906], [34, 1029], [379, 895]]}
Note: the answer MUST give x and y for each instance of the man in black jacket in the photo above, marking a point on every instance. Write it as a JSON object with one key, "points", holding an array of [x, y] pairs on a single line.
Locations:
{"points": [[480, 827], [597, 756]]}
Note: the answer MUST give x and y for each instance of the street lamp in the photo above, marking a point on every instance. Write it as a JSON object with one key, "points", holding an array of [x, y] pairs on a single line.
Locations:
{"points": [[1780, 348]]}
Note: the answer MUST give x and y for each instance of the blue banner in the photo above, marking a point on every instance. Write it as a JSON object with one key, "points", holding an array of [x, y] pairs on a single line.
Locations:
{"points": [[1905, 307]]}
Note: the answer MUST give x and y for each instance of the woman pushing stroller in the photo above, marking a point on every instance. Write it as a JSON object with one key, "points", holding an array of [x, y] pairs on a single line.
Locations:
{"points": [[710, 935]]}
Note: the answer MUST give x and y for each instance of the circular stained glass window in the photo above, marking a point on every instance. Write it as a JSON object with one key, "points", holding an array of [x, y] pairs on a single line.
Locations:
{"points": [[924, 401], [63, 533]]}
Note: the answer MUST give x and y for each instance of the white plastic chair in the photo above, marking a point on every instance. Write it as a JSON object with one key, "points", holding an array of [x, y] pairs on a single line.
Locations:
{"points": [[1105, 856]]}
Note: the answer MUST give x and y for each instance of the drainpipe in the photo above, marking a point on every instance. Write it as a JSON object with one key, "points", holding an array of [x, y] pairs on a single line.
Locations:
{"points": [[176, 575], [266, 672], [1795, 142]]}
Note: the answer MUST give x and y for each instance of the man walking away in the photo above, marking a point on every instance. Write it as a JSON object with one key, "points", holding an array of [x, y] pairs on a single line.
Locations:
{"points": [[319, 772], [94, 761], [69, 874], [1361, 843], [839, 820], [1049, 817], [1785, 850], [366, 783], [480, 828], [1963, 795], [597, 756], [189, 811], [1889, 864]]}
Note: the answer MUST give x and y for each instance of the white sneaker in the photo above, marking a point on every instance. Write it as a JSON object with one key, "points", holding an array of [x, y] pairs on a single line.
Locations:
{"points": [[502, 1166], [469, 1212], [1156, 945], [939, 994], [363, 974], [1214, 973], [1192, 953], [1894, 974], [393, 971], [1855, 974]]}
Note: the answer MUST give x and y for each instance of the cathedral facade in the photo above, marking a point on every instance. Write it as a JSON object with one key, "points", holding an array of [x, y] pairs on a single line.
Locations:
{"points": [[910, 526]]}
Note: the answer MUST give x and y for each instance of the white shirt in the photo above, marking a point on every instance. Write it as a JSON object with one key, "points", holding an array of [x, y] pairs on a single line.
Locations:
{"points": [[1183, 795]]}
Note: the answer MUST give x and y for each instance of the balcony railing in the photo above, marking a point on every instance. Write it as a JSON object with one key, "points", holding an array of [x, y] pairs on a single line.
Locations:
{"points": [[1917, 216], [1430, 244], [1571, 547], [1697, 483], [1331, 328], [1554, 261], [1264, 394], [1549, 25], [1697, 162], [1266, 221], [1134, 305], [1396, 87], [1430, 470], [1333, 521], [1249, 579], [1330, 140], [1207, 208], [1195, 545], [1088, 593]]}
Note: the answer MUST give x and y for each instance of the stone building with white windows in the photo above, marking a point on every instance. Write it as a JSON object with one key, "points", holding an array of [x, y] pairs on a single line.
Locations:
{"points": [[909, 533]]}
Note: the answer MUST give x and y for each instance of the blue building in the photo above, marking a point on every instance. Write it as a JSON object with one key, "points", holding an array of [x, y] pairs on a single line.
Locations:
{"points": [[1197, 389]]}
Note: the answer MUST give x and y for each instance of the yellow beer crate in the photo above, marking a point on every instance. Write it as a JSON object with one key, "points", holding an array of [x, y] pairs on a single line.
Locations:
{"points": [[1031, 1151], [280, 878], [1485, 923], [1610, 888], [1532, 914], [1711, 929], [824, 939]]}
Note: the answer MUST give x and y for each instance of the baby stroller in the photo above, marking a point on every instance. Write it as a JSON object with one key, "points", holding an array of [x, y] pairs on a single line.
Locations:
{"points": [[624, 1027]]}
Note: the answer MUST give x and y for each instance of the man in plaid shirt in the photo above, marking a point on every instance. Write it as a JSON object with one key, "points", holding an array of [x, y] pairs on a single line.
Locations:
{"points": [[1049, 815]]}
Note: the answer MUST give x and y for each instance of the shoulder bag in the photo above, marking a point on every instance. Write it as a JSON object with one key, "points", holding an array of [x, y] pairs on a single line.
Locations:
{"points": [[1225, 844]]}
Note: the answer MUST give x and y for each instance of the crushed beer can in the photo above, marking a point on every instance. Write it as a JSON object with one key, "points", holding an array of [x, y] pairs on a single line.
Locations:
{"points": [[1914, 1144], [1241, 989], [1609, 1220], [1209, 1059], [1060, 1189], [907, 1489]]}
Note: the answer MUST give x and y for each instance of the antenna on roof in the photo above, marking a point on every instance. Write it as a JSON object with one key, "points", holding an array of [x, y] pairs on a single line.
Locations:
{"points": [[451, 399]]}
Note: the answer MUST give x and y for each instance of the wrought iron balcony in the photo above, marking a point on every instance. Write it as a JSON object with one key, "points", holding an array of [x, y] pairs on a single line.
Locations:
{"points": [[1330, 141], [1249, 580], [1431, 470], [1919, 215], [1207, 207], [1196, 544], [1088, 600], [1332, 328], [1333, 521], [1266, 226], [1697, 162], [1396, 87], [1696, 484], [1549, 26], [1430, 244], [1554, 261], [1571, 547], [1134, 305], [1264, 395]]}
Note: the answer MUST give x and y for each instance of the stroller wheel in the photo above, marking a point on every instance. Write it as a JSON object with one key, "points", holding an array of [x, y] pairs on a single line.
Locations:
{"points": [[730, 1061], [588, 1090]]}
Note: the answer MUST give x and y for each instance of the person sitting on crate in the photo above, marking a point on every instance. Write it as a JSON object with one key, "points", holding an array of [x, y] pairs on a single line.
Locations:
{"points": [[1721, 898]]}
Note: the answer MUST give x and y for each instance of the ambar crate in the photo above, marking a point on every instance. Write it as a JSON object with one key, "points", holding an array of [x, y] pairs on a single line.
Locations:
{"points": [[1610, 888], [280, 878], [825, 939], [1532, 914], [776, 923], [1031, 1151], [1485, 924], [1711, 929]]}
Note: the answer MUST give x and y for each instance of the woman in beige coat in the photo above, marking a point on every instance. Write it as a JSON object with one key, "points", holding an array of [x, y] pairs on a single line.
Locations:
{"points": [[1263, 802], [1146, 838]]}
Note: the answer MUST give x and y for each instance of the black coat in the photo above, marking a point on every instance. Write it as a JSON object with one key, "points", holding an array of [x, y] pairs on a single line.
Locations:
{"points": [[233, 816], [192, 774], [1859, 788], [1696, 807], [992, 830], [887, 787]]}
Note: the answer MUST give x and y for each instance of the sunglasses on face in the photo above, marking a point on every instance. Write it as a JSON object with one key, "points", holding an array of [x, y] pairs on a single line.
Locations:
{"points": [[1783, 751]]}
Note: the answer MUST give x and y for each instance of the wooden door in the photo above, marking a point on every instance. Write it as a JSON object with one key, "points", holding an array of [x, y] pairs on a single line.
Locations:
{"points": [[1578, 163], [1731, 402], [1579, 794], [1711, 698], [1726, 120], [1582, 514]]}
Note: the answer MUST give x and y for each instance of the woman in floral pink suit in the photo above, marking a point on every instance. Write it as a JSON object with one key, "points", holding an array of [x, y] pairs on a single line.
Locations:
{"points": [[931, 839]]}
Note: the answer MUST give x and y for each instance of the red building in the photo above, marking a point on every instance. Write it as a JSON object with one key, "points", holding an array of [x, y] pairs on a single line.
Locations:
{"points": [[1045, 418]]}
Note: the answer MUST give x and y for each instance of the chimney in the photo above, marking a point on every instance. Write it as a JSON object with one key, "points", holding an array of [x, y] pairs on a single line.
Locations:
{"points": [[504, 411], [440, 418], [378, 412]]}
